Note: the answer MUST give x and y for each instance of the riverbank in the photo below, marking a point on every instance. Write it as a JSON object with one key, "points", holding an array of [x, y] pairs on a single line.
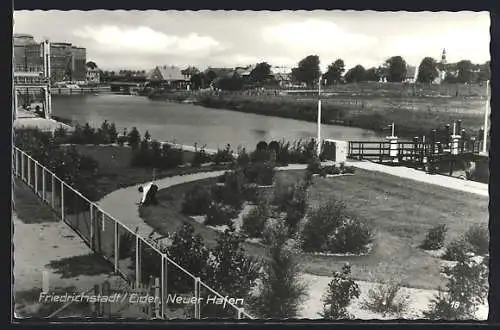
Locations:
{"points": [[412, 115]]}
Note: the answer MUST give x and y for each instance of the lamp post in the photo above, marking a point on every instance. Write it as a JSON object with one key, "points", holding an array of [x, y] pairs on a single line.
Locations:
{"points": [[319, 117], [486, 113]]}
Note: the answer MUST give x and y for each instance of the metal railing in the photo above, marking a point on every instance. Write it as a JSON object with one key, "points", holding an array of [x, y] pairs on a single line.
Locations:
{"points": [[138, 260]]}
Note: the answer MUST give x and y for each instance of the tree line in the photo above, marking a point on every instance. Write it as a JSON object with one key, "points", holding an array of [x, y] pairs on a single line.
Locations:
{"points": [[308, 72]]}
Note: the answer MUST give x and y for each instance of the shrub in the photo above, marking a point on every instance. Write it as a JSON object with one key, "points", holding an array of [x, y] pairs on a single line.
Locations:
{"points": [[200, 157], [251, 193], [466, 290], [134, 138], [127, 245], [341, 291], [219, 214], [262, 145], [280, 292], [189, 250], [223, 156], [260, 156], [322, 222], [478, 237], [255, 221], [231, 193], [457, 250], [352, 236], [197, 200], [243, 158], [171, 157], [386, 299], [313, 166], [435, 238], [259, 173], [297, 206]]}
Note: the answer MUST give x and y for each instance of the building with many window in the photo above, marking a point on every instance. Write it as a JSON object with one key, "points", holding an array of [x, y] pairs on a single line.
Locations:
{"points": [[68, 62]]}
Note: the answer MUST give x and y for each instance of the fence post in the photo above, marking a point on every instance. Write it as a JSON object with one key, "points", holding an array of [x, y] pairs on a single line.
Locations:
{"points": [[240, 313], [197, 311], [43, 184], [22, 167], [29, 171], [117, 248], [36, 177], [62, 200], [137, 261], [163, 283], [158, 312], [92, 226], [52, 198], [16, 161]]}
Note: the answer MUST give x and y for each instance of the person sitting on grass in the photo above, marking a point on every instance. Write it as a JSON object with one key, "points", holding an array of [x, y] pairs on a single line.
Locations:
{"points": [[148, 195]]}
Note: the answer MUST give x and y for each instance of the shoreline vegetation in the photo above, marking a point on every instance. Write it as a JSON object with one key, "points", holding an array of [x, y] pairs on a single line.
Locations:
{"points": [[414, 110]]}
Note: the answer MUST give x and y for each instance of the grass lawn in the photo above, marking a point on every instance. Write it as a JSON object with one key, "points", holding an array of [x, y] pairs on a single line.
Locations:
{"points": [[401, 211], [115, 171]]}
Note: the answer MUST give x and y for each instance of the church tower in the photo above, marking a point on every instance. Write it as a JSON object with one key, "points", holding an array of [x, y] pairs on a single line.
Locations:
{"points": [[443, 57]]}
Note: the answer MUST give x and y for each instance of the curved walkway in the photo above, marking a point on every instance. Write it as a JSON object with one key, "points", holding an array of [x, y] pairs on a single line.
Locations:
{"points": [[122, 205]]}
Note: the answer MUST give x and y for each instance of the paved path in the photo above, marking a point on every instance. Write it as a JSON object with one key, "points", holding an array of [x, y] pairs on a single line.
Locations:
{"points": [[436, 179], [122, 203]]}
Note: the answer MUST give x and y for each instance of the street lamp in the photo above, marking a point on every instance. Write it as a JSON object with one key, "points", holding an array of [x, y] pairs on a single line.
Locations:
{"points": [[319, 117], [486, 113]]}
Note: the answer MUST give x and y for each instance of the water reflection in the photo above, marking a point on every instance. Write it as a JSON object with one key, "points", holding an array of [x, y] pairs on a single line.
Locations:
{"points": [[189, 124]]}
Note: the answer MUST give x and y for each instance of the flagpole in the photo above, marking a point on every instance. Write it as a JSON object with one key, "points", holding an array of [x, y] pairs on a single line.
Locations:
{"points": [[319, 117], [485, 131]]}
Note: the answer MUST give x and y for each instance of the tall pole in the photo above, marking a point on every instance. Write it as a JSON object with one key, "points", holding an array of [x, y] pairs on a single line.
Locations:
{"points": [[319, 117], [486, 113]]}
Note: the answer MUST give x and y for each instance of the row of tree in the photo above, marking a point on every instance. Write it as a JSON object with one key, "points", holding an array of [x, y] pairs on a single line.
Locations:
{"points": [[394, 69]]}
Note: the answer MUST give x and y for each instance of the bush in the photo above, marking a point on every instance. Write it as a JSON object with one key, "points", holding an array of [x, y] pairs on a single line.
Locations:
{"points": [[457, 250], [259, 173], [280, 292], [261, 156], [127, 245], [197, 200], [386, 299], [243, 158], [188, 250], [262, 145], [223, 156], [341, 290], [352, 236], [435, 238], [478, 238], [255, 221], [322, 222], [251, 193], [200, 157], [313, 166], [134, 138], [219, 214], [466, 290], [296, 207], [231, 193]]}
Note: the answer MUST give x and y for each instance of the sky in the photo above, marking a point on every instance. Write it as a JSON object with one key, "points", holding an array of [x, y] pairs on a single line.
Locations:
{"points": [[141, 40]]}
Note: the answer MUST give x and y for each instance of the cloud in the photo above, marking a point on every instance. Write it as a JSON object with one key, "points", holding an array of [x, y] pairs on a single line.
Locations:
{"points": [[460, 43], [142, 39], [316, 36]]}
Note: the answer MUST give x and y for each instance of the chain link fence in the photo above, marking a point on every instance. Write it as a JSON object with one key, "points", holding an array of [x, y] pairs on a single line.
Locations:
{"points": [[140, 261]]}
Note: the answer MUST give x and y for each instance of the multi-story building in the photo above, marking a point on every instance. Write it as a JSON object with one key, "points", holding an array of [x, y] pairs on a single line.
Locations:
{"points": [[68, 62]]}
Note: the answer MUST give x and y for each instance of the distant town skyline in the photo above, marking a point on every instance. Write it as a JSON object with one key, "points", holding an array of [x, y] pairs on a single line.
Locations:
{"points": [[141, 40]]}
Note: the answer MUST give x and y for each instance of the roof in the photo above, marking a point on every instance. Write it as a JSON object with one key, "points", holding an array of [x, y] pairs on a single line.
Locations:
{"points": [[221, 72], [166, 73]]}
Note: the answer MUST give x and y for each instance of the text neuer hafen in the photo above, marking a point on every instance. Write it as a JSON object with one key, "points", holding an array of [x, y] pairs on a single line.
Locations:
{"points": [[210, 299], [135, 298]]}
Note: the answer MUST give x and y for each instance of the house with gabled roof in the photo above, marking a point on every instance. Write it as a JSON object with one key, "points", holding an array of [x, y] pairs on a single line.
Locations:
{"points": [[168, 76]]}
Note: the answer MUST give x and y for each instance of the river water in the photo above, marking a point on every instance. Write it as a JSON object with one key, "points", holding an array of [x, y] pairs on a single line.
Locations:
{"points": [[189, 124]]}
